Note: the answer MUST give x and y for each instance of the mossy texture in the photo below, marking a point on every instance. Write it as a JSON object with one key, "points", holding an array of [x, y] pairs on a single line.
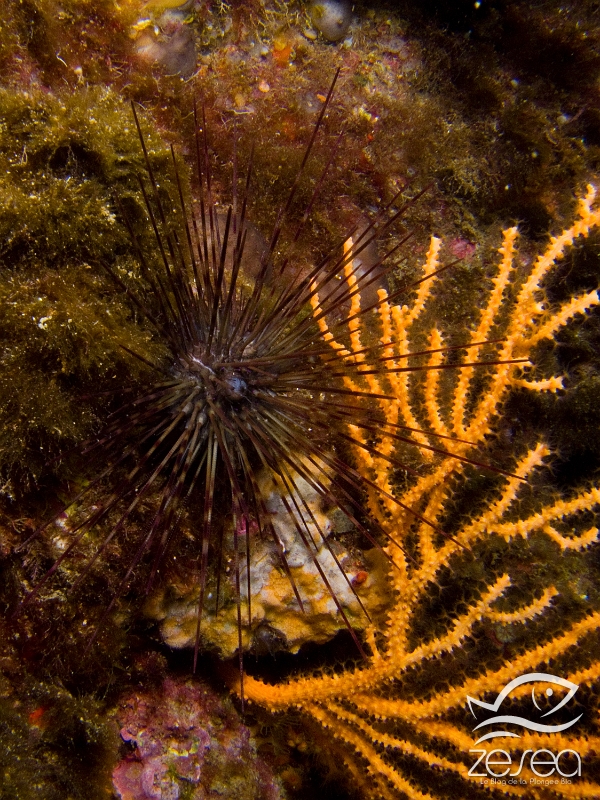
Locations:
{"points": [[62, 160], [53, 745], [47, 41]]}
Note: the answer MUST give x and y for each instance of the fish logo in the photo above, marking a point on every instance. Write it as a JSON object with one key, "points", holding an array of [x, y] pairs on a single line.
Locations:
{"points": [[532, 725]]}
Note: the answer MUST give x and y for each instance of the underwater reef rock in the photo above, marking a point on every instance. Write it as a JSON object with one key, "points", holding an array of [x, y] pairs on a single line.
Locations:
{"points": [[60, 159], [165, 37], [53, 744], [186, 742], [332, 18], [277, 620]]}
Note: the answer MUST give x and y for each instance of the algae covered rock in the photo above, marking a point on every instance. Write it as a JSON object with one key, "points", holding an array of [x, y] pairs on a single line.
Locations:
{"points": [[62, 159], [182, 740], [53, 744]]}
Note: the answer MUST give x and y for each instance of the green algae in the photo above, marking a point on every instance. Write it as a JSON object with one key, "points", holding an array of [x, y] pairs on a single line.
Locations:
{"points": [[53, 745], [62, 160], [63, 42]]}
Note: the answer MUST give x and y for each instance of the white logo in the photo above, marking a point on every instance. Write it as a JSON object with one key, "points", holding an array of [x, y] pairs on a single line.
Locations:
{"points": [[530, 724], [542, 767]]}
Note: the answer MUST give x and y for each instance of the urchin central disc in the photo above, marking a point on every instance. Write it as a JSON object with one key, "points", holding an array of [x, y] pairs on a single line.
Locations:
{"points": [[234, 385], [216, 381]]}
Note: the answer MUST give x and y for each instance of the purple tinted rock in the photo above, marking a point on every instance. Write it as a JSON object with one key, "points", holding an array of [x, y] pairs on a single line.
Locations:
{"points": [[184, 735]]}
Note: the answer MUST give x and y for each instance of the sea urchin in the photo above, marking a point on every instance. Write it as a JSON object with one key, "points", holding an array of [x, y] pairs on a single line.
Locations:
{"points": [[250, 386]]}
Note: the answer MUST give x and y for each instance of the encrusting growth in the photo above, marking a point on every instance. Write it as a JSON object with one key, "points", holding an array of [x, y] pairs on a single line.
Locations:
{"points": [[401, 734]]}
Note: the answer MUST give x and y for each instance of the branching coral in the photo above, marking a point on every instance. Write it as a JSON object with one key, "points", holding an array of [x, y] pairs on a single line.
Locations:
{"points": [[415, 741]]}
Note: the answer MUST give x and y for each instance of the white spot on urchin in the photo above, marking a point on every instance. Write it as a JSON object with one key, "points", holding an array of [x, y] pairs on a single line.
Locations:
{"points": [[59, 544]]}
